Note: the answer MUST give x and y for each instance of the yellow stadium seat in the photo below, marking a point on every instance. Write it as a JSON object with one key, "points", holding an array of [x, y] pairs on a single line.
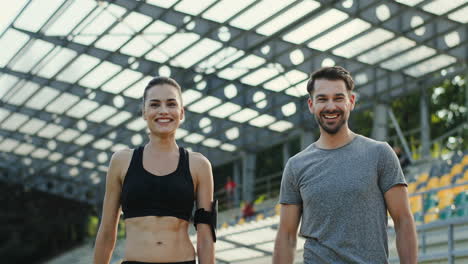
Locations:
{"points": [[241, 221], [225, 225], [277, 209], [433, 183], [412, 187], [415, 203], [457, 168], [445, 180], [423, 177], [464, 160], [461, 180], [458, 189], [431, 215], [465, 175], [259, 217], [445, 198]]}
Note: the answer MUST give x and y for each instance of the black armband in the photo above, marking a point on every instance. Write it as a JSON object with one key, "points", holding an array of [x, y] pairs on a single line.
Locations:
{"points": [[210, 218]]}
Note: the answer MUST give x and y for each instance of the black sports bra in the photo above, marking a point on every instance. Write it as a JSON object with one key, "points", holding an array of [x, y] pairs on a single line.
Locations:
{"points": [[145, 194]]}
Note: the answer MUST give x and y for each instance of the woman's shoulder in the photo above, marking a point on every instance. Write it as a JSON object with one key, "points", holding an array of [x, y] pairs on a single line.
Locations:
{"points": [[123, 154], [197, 158], [198, 162]]}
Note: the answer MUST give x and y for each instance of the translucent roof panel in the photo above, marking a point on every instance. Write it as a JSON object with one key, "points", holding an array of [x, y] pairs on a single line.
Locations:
{"points": [[190, 95], [244, 115], [162, 3], [258, 13], [84, 139], [197, 52], [8, 145], [100, 74], [40, 153], [101, 114], [9, 11], [119, 118], [102, 22], [6, 83], [440, 7], [281, 126], [241, 67], [339, 35], [10, 43], [62, 103], [204, 104], [211, 143], [438, 62], [298, 90], [386, 50], [228, 147], [221, 58], [289, 16], [315, 26], [193, 7], [24, 149], [14, 121], [370, 39], [194, 138], [76, 12], [171, 46], [21, 93], [42, 98], [78, 68], [225, 9], [36, 14], [409, 2], [68, 135], [262, 120], [32, 126], [82, 108], [136, 90], [137, 124], [31, 56], [408, 57], [460, 15], [56, 61], [50, 131], [260, 76], [225, 110], [121, 81], [286, 80]]}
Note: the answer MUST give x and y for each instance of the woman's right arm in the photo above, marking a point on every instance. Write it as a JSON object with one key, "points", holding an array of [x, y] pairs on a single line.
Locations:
{"points": [[106, 236]]}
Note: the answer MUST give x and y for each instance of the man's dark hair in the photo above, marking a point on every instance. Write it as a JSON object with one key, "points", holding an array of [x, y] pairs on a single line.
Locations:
{"points": [[333, 74], [159, 80]]}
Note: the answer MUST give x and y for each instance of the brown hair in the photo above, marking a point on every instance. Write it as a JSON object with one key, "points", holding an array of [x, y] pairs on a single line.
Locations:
{"points": [[333, 74], [158, 80]]}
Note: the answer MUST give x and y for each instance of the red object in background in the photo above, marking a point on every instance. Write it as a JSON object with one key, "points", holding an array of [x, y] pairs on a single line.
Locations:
{"points": [[248, 210], [230, 186]]}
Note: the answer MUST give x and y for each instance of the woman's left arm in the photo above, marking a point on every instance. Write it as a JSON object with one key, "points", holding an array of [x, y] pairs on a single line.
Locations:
{"points": [[204, 176]]}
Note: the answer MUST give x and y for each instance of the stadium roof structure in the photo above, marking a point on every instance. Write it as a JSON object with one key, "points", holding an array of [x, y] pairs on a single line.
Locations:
{"points": [[72, 73]]}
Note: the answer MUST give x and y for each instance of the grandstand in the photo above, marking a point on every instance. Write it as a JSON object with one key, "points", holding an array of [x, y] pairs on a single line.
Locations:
{"points": [[72, 73]]}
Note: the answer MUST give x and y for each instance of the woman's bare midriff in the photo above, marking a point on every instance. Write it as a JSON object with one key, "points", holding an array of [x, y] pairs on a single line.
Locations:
{"points": [[158, 239]]}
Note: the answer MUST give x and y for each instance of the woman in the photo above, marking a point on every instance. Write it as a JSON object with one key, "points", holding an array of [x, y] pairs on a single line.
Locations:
{"points": [[156, 185]]}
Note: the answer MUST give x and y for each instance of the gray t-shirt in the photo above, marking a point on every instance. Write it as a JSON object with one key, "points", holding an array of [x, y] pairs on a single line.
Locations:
{"points": [[344, 215]]}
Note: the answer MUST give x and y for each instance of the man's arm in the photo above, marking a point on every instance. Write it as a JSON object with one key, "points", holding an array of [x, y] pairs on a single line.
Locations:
{"points": [[406, 238], [286, 238]]}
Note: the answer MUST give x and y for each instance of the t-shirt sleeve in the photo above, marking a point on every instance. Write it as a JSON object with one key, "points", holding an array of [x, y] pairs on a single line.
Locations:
{"points": [[289, 192], [390, 172]]}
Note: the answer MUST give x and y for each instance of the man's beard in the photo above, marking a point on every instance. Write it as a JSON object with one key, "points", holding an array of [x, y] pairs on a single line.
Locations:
{"points": [[330, 130]]}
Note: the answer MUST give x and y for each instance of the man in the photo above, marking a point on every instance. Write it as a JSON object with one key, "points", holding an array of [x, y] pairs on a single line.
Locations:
{"points": [[341, 187]]}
